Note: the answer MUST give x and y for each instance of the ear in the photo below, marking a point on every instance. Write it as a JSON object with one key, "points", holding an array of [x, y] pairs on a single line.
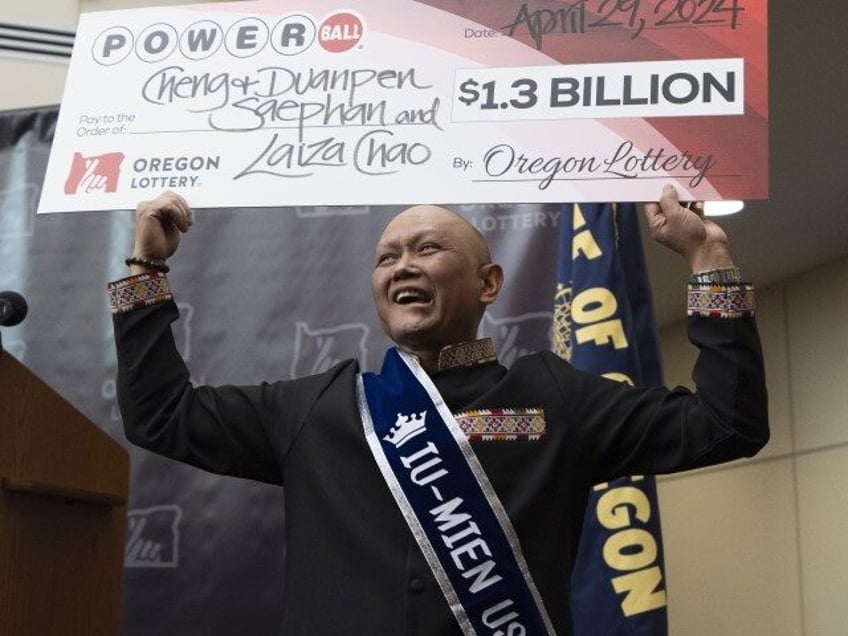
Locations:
{"points": [[492, 277]]}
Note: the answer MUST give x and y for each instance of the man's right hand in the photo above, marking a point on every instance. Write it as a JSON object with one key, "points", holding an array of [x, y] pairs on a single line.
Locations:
{"points": [[158, 226]]}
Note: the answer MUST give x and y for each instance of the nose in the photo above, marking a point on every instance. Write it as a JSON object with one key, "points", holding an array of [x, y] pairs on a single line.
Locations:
{"points": [[405, 266]]}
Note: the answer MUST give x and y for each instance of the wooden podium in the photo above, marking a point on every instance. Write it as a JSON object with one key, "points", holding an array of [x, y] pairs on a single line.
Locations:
{"points": [[63, 494]]}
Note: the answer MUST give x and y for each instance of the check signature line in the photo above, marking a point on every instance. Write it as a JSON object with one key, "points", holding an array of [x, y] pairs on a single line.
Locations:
{"points": [[293, 127]]}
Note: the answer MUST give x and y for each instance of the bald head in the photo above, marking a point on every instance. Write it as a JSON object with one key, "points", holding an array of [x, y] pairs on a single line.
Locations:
{"points": [[433, 278], [436, 216]]}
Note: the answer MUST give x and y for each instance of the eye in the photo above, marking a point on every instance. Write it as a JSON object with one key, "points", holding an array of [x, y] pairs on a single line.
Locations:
{"points": [[385, 259], [429, 247]]}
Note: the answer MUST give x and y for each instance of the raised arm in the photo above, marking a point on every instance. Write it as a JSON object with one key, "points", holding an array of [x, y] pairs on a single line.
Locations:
{"points": [[226, 429], [726, 417], [159, 224]]}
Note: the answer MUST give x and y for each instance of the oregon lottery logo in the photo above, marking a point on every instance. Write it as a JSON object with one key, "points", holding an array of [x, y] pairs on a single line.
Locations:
{"points": [[290, 35], [97, 173], [153, 537]]}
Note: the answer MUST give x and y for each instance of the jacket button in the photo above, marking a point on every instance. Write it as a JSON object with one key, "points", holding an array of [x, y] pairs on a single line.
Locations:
{"points": [[416, 585]]}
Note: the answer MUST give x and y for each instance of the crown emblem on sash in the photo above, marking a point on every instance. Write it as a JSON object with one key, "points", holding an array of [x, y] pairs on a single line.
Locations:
{"points": [[406, 427]]}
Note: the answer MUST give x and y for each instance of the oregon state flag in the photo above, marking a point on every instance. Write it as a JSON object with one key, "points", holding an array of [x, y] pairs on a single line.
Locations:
{"points": [[618, 583]]}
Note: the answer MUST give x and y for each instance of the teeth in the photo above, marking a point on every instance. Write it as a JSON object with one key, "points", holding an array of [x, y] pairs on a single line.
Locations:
{"points": [[407, 296]]}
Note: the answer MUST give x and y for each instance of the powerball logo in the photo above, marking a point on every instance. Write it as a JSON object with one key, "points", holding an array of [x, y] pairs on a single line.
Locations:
{"points": [[98, 173], [289, 35]]}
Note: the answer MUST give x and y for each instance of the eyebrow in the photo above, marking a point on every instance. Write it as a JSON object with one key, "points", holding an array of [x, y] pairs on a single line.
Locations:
{"points": [[416, 237]]}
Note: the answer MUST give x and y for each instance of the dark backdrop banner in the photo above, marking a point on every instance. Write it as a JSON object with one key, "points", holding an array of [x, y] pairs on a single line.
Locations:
{"points": [[264, 293]]}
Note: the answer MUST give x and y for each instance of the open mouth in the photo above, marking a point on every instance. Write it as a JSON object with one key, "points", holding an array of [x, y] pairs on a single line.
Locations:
{"points": [[409, 297]]}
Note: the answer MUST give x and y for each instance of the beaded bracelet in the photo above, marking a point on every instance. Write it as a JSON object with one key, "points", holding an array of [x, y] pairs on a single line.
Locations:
{"points": [[719, 275], [155, 264]]}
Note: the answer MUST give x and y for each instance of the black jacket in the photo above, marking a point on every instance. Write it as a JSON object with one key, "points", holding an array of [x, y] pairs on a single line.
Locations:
{"points": [[353, 566]]}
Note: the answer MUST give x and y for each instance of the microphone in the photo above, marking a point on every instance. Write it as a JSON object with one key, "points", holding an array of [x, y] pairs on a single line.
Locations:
{"points": [[13, 308]]}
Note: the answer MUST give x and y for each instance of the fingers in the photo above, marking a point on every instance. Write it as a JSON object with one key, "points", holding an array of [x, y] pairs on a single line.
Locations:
{"points": [[695, 206], [653, 212], [656, 213], [182, 217], [670, 202], [655, 219], [669, 199], [169, 208]]}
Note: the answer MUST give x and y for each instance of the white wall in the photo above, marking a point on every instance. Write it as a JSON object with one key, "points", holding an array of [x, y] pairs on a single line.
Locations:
{"points": [[21, 88], [758, 547]]}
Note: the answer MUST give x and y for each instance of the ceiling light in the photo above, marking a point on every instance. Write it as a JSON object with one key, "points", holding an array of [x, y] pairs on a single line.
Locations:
{"points": [[722, 208]]}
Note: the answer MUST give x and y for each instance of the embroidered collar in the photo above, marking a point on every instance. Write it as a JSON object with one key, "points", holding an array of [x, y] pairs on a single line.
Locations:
{"points": [[467, 354]]}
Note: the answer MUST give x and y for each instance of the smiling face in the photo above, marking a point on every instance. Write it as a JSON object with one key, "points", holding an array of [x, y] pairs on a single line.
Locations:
{"points": [[432, 280]]}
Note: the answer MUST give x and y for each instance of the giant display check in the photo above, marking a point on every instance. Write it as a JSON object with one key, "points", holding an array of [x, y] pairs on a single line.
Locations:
{"points": [[334, 102]]}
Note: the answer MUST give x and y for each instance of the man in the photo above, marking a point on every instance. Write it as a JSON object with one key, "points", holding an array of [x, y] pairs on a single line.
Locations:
{"points": [[391, 536]]}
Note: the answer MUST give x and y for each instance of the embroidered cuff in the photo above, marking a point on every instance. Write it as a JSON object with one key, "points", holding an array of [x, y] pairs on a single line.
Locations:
{"points": [[466, 354], [138, 291], [725, 300], [502, 424]]}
